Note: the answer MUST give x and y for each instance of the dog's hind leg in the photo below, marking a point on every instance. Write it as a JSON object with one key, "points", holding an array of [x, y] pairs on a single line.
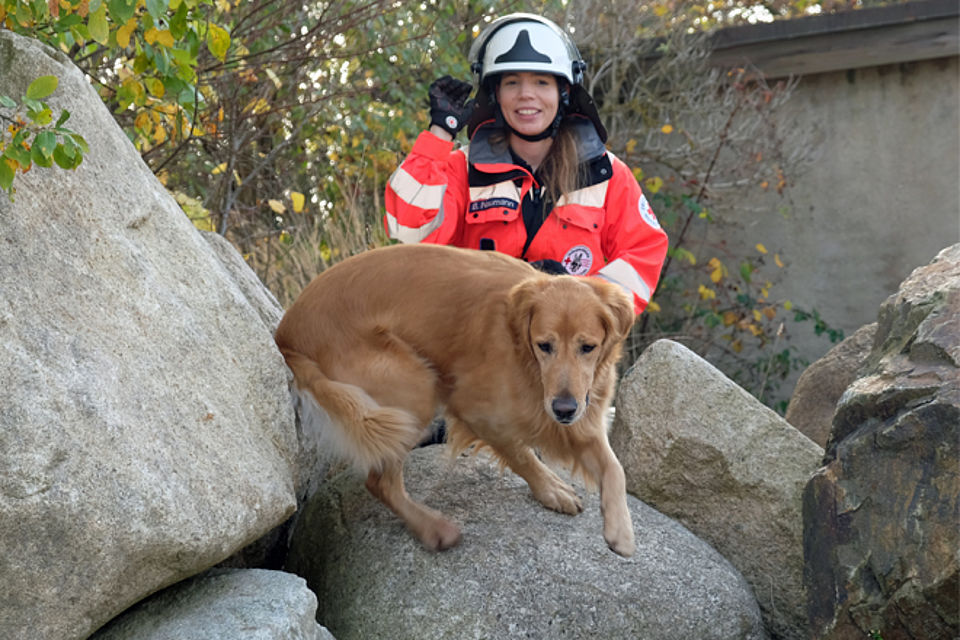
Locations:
{"points": [[429, 526]]}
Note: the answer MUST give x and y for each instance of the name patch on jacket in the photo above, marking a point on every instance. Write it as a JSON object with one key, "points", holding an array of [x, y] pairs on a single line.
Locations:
{"points": [[493, 203]]}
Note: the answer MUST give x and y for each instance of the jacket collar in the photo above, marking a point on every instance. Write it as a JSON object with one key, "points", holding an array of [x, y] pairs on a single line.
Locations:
{"points": [[485, 158]]}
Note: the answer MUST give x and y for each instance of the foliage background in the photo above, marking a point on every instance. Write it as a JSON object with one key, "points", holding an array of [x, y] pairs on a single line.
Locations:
{"points": [[277, 124]]}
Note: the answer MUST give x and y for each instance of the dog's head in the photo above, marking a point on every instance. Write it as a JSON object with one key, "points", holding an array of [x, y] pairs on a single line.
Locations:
{"points": [[573, 328]]}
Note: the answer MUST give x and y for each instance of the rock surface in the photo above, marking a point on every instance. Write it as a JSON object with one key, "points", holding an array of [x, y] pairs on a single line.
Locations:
{"points": [[227, 604], [700, 449], [881, 517], [521, 571], [820, 386], [146, 428]]}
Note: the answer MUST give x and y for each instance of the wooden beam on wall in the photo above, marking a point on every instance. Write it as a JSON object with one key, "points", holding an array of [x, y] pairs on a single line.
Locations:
{"points": [[863, 38]]}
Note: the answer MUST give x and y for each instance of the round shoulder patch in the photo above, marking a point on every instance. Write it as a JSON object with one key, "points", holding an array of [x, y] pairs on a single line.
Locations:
{"points": [[646, 212], [578, 260]]}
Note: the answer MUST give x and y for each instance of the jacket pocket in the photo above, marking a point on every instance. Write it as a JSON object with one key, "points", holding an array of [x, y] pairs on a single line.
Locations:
{"points": [[495, 213], [587, 218]]}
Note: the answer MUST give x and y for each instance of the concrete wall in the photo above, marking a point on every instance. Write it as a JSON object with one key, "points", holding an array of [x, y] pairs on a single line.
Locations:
{"points": [[883, 195]]}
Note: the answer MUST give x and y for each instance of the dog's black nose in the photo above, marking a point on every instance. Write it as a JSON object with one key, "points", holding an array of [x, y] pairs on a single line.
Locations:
{"points": [[564, 408]]}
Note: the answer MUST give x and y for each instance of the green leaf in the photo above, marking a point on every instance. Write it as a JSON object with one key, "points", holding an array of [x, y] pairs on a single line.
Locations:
{"points": [[19, 154], [157, 8], [122, 10], [178, 23], [6, 174], [42, 87], [218, 41], [46, 142], [80, 142], [97, 24], [64, 116], [63, 160], [42, 117], [39, 159], [8, 102]]}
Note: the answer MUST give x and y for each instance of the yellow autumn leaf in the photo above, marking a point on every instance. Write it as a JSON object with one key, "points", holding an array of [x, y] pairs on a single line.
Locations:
{"points": [[729, 318], [276, 206], [150, 35], [297, 198], [165, 38], [638, 174], [142, 120], [667, 128], [653, 184], [770, 313], [757, 315], [777, 260], [706, 293], [220, 168], [653, 307], [717, 270], [155, 87], [125, 31], [755, 330], [218, 41], [160, 134], [762, 249], [788, 305], [631, 145]]}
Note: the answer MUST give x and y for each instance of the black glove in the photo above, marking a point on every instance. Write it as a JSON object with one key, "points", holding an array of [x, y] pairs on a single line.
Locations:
{"points": [[449, 107], [552, 267]]}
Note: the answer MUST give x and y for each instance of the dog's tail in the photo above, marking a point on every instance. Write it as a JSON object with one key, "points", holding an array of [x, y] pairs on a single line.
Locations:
{"points": [[358, 429]]}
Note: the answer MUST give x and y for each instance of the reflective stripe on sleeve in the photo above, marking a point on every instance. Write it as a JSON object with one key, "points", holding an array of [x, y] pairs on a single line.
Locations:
{"points": [[622, 273], [410, 190], [412, 235]]}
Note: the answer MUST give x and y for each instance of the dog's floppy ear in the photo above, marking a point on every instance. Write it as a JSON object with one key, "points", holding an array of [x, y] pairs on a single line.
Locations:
{"points": [[520, 303], [619, 306]]}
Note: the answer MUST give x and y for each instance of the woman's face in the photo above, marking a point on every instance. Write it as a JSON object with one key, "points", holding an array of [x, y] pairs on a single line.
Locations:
{"points": [[529, 101]]}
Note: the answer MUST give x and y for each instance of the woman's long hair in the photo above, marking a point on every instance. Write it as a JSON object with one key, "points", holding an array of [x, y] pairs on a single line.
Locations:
{"points": [[561, 169]]}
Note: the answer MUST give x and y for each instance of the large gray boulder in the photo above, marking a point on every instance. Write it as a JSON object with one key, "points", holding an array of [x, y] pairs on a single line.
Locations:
{"points": [[882, 517], [521, 571], [820, 386], [697, 447], [224, 604], [146, 429]]}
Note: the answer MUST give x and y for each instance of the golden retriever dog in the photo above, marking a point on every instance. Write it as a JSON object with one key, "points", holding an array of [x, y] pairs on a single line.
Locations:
{"points": [[516, 361]]}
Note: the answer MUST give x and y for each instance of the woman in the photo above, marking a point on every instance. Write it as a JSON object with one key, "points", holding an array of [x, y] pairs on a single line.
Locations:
{"points": [[536, 181]]}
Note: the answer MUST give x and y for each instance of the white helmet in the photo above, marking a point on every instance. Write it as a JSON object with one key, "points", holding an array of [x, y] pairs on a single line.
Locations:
{"points": [[525, 42]]}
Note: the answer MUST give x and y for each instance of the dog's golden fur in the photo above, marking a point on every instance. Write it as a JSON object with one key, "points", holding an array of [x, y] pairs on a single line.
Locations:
{"points": [[515, 360]]}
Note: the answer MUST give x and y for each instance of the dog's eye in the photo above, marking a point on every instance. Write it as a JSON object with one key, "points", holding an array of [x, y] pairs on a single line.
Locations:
{"points": [[546, 347], [587, 348]]}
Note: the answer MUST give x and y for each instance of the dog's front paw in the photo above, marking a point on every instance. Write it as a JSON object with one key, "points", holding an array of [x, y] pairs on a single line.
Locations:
{"points": [[559, 496], [439, 535], [619, 537]]}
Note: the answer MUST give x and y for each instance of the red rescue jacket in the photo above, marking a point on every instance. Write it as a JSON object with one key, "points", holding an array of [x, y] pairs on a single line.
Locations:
{"points": [[471, 197]]}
